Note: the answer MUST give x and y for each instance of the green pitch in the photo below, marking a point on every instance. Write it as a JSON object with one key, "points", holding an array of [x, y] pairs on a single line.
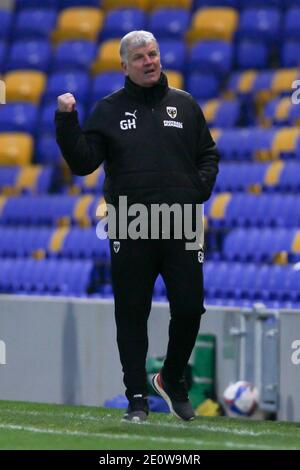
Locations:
{"points": [[39, 426]]}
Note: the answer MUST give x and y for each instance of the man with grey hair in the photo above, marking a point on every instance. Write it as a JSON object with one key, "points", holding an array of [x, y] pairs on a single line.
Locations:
{"points": [[156, 149]]}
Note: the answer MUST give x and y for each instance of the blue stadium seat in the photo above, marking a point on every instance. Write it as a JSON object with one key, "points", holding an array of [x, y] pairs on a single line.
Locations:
{"points": [[211, 56], [290, 177], [75, 82], [169, 23], [6, 18], [202, 85], [22, 4], [29, 54], [73, 55], [104, 84], [173, 54], [8, 176], [18, 117], [47, 113], [215, 3], [289, 53], [291, 24], [47, 150], [240, 176], [252, 54], [260, 23], [119, 22], [227, 114], [34, 23], [78, 3], [260, 3]]}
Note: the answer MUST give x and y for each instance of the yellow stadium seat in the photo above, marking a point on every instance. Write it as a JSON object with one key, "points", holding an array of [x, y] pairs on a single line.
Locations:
{"points": [[16, 148], [113, 4], [285, 141], [209, 109], [186, 4], [28, 177], [108, 57], [78, 23], [273, 173], [25, 85], [219, 205], [283, 79], [213, 23], [175, 79]]}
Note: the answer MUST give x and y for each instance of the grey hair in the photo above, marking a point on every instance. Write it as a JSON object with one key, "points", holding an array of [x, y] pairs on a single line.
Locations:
{"points": [[136, 39]]}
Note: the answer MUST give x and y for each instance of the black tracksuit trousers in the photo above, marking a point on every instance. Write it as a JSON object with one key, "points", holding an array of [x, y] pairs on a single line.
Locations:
{"points": [[135, 268]]}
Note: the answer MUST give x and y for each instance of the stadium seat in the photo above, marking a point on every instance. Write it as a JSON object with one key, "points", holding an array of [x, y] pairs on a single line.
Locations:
{"points": [[19, 117], [173, 54], [241, 176], [79, 3], [169, 23], [222, 113], [47, 150], [104, 84], [78, 23], [175, 79], [291, 24], [259, 23], [6, 18], [119, 22], [29, 55], [216, 3], [252, 54], [73, 55], [25, 85], [34, 23], [21, 4], [16, 148], [202, 85], [46, 123], [34, 179], [108, 57], [277, 111], [211, 56], [282, 81], [289, 53], [213, 23], [75, 82], [285, 141], [289, 180]]}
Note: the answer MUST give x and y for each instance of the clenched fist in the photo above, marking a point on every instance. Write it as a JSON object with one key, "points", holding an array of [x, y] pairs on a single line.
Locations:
{"points": [[66, 102]]}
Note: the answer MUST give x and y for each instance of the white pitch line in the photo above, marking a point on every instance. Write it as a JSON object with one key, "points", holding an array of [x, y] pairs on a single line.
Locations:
{"points": [[136, 437], [201, 427]]}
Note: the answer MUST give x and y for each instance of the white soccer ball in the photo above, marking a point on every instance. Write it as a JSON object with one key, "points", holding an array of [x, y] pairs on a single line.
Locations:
{"points": [[241, 398]]}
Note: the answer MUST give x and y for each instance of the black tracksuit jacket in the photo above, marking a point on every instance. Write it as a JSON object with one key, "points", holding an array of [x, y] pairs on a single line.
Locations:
{"points": [[154, 142]]}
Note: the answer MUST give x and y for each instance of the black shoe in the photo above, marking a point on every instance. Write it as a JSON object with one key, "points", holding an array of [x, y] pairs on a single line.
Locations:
{"points": [[137, 410], [175, 396]]}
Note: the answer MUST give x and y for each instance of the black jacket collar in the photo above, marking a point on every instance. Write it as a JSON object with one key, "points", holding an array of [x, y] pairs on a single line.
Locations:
{"points": [[151, 95]]}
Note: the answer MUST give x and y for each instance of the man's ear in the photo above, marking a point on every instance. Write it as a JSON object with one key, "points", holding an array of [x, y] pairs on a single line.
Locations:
{"points": [[124, 68]]}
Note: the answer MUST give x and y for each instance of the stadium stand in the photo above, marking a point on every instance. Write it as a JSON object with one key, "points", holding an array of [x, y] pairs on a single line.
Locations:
{"points": [[238, 60]]}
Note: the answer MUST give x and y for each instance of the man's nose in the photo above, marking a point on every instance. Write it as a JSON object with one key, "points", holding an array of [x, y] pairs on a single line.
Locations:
{"points": [[147, 60]]}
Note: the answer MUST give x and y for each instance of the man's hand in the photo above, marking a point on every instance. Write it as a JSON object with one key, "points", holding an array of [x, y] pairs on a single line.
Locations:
{"points": [[66, 103]]}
